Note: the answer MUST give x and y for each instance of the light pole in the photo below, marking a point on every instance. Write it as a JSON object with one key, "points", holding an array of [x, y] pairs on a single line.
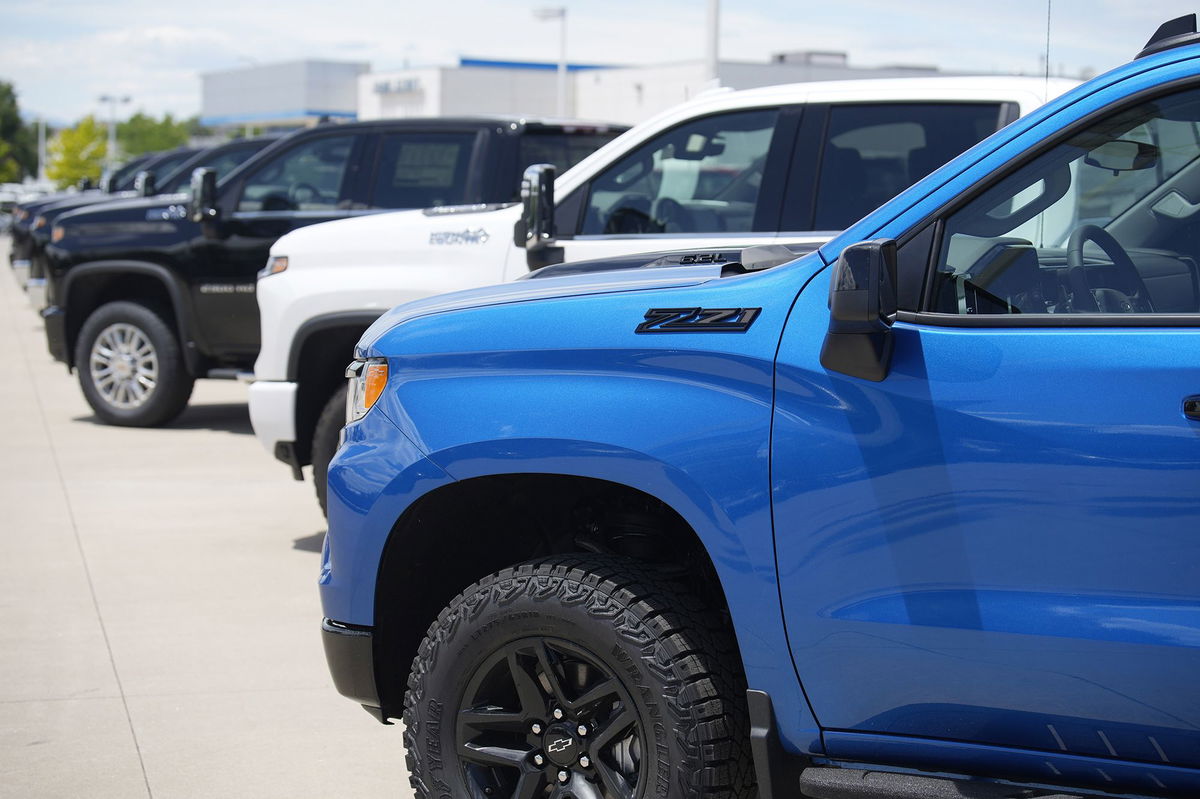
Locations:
{"points": [[110, 152], [559, 13], [712, 30]]}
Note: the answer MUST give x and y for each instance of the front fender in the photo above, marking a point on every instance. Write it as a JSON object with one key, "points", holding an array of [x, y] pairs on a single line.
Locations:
{"points": [[77, 277]]}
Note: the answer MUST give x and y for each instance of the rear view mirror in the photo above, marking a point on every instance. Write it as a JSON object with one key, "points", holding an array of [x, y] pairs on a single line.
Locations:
{"points": [[1122, 155], [862, 304], [202, 202], [109, 184], [535, 229], [145, 184]]}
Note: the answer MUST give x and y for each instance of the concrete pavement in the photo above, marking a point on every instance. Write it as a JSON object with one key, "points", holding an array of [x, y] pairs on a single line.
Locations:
{"points": [[160, 632]]}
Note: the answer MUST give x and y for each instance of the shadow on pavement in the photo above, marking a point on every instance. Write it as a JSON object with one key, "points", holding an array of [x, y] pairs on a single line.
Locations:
{"points": [[228, 417], [310, 543]]}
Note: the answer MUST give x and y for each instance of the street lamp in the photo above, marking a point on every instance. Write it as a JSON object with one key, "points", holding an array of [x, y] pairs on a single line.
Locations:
{"points": [[559, 13], [110, 152]]}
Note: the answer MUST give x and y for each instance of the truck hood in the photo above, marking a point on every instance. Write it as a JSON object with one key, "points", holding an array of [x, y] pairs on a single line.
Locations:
{"points": [[400, 237], [607, 276], [135, 209]]}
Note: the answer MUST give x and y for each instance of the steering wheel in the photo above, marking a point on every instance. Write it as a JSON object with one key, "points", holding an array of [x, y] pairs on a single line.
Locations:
{"points": [[672, 217], [301, 193], [1104, 300]]}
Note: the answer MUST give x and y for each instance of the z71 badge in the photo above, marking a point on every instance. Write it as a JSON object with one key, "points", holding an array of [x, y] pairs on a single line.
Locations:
{"points": [[698, 320]]}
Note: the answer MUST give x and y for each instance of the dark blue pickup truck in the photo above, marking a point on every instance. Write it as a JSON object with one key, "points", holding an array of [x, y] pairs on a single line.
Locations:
{"points": [[914, 515]]}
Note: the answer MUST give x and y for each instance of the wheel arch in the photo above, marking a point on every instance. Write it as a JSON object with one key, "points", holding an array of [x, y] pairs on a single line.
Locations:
{"points": [[88, 286], [319, 353], [435, 544]]}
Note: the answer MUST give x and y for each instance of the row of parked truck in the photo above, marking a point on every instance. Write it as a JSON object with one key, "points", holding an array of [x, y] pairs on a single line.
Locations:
{"points": [[234, 277], [837, 438]]}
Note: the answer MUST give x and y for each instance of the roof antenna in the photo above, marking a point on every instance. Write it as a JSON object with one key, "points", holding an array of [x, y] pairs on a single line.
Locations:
{"points": [[1046, 93], [1172, 33]]}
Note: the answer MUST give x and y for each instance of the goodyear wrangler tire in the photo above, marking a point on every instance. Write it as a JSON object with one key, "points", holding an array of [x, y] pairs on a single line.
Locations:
{"points": [[576, 677]]}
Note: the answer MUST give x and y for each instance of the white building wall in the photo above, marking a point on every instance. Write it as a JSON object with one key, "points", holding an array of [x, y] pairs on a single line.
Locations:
{"points": [[401, 93], [484, 90], [632, 94], [627, 95], [333, 87], [292, 92]]}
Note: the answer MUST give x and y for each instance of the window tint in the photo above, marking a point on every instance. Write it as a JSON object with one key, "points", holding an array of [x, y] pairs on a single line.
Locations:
{"points": [[564, 149], [223, 164], [1101, 223], [873, 152], [306, 177], [124, 177], [700, 177], [423, 170], [165, 167]]}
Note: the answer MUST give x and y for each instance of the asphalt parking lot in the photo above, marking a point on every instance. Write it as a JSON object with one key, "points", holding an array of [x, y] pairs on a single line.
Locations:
{"points": [[161, 619]]}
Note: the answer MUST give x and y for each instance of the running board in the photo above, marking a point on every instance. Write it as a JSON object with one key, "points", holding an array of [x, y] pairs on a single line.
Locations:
{"points": [[843, 783]]}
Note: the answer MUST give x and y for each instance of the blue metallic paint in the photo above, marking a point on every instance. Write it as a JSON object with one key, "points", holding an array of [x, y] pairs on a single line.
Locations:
{"points": [[905, 512], [683, 417]]}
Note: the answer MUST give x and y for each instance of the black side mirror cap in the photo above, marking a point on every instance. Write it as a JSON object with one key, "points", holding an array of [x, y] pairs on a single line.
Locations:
{"points": [[862, 306], [109, 184], [535, 231], [202, 202], [145, 184]]}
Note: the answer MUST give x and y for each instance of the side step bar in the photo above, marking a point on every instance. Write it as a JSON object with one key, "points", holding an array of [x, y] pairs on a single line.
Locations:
{"points": [[841, 783], [780, 773]]}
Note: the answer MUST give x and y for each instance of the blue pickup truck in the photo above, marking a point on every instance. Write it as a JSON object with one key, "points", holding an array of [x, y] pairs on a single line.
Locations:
{"points": [[914, 515]]}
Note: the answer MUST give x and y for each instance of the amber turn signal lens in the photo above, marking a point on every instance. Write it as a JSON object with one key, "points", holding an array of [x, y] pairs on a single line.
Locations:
{"points": [[377, 374]]}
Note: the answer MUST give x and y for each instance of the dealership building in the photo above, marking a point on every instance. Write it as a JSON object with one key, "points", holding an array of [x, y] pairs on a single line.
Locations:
{"points": [[302, 93]]}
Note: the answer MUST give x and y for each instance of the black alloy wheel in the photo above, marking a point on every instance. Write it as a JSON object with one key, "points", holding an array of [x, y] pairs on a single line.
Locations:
{"points": [[578, 677]]}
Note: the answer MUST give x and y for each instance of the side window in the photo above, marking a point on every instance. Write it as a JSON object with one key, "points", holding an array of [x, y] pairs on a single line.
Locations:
{"points": [[422, 170], [223, 164], [563, 148], [307, 177], [874, 152], [701, 177], [1103, 222]]}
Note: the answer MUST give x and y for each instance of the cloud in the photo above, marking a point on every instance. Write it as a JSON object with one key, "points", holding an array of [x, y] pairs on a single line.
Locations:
{"points": [[153, 52]]}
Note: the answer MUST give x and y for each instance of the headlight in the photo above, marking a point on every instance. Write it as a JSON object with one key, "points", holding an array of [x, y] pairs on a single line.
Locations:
{"points": [[57, 233], [275, 265], [40, 222], [367, 379]]}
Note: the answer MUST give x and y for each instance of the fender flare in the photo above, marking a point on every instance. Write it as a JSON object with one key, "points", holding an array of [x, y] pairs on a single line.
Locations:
{"points": [[175, 287], [324, 322]]}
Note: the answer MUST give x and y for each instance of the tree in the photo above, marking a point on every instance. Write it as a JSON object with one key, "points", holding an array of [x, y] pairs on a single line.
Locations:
{"points": [[78, 152], [18, 149], [142, 133], [10, 170]]}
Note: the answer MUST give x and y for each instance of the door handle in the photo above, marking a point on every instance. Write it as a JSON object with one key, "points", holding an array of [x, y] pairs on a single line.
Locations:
{"points": [[1191, 408]]}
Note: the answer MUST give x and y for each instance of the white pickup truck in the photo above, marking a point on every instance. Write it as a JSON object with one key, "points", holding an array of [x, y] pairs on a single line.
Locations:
{"points": [[784, 165]]}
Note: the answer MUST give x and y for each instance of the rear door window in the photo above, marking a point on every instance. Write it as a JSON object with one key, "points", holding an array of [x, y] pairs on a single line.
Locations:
{"points": [[563, 148], [873, 152], [423, 170]]}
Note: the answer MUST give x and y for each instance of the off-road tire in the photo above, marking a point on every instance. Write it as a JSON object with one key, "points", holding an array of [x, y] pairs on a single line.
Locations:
{"points": [[673, 658], [325, 443], [172, 384]]}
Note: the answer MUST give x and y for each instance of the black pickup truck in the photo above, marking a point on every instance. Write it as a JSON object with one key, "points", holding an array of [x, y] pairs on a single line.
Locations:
{"points": [[168, 173], [146, 295]]}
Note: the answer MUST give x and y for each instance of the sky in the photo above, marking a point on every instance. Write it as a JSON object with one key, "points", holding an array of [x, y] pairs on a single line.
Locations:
{"points": [[62, 57]]}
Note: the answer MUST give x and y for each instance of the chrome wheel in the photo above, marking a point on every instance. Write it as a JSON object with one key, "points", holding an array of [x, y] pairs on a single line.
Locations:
{"points": [[124, 366]]}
